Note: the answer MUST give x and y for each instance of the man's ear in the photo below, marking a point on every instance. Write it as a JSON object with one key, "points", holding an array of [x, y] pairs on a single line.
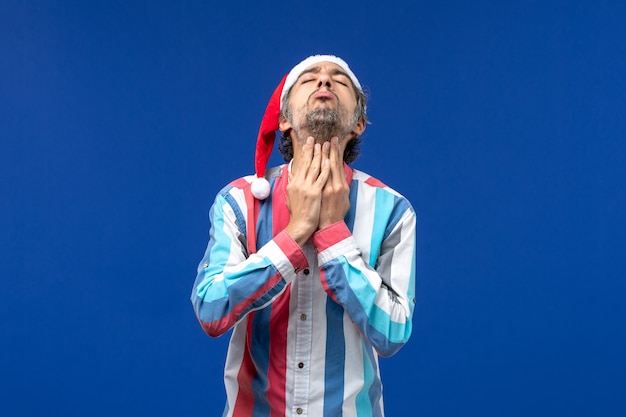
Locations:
{"points": [[359, 127], [284, 124]]}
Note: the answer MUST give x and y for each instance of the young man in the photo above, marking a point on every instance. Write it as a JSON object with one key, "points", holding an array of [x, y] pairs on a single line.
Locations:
{"points": [[312, 264]]}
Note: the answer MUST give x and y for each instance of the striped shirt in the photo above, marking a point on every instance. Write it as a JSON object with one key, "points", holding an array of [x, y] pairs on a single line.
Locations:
{"points": [[308, 323]]}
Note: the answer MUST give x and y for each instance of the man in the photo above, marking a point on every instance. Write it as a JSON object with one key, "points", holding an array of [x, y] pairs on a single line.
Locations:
{"points": [[312, 264]]}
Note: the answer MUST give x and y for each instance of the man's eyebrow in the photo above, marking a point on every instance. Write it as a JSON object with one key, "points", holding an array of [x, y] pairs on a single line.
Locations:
{"points": [[314, 70]]}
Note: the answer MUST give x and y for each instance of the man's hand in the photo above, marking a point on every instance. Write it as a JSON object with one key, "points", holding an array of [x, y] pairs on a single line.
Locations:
{"points": [[335, 194], [304, 191]]}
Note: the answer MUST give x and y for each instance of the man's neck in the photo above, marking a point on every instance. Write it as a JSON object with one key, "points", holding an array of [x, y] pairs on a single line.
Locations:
{"points": [[297, 144]]}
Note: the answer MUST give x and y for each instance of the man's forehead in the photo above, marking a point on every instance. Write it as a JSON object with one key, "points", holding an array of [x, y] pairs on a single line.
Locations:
{"points": [[329, 66]]}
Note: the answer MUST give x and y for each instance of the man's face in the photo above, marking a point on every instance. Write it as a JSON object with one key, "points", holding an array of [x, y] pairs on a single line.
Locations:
{"points": [[322, 103]]}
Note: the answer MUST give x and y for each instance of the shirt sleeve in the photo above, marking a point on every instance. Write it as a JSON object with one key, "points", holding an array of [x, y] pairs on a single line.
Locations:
{"points": [[230, 283], [380, 298]]}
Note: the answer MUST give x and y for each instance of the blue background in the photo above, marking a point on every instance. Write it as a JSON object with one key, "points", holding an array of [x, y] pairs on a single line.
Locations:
{"points": [[502, 122]]}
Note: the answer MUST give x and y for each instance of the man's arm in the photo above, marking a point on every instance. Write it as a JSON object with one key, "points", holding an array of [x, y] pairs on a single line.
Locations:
{"points": [[229, 283], [378, 295]]}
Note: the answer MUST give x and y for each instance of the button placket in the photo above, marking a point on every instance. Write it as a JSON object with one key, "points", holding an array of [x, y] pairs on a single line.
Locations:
{"points": [[304, 334]]}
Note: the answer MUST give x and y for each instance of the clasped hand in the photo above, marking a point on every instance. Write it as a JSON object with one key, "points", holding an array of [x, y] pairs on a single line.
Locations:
{"points": [[317, 193]]}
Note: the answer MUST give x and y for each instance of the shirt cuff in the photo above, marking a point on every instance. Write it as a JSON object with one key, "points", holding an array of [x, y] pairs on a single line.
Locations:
{"points": [[333, 241], [294, 254]]}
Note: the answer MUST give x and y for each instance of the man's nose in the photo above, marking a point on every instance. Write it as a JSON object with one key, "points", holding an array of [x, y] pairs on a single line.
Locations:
{"points": [[324, 80]]}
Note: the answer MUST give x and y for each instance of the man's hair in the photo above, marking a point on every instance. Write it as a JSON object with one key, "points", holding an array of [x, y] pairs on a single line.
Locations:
{"points": [[351, 153]]}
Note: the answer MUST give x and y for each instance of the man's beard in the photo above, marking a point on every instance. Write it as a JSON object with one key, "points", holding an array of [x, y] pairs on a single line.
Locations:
{"points": [[323, 124]]}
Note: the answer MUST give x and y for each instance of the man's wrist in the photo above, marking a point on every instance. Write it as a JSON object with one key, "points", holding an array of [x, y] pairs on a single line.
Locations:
{"points": [[299, 234]]}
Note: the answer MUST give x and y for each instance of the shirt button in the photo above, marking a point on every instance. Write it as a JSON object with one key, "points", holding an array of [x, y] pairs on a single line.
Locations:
{"points": [[302, 316], [300, 365], [306, 271], [299, 410]]}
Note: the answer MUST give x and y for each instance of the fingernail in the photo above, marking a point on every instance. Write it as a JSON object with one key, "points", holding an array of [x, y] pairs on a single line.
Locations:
{"points": [[309, 140], [335, 140]]}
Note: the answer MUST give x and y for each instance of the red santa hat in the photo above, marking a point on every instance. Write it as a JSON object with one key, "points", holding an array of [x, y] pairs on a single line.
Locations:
{"points": [[260, 187]]}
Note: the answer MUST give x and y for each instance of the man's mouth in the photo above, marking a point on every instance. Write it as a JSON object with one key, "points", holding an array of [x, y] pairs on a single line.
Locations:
{"points": [[323, 95]]}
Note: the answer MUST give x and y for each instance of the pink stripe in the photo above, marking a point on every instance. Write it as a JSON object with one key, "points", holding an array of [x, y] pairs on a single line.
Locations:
{"points": [[374, 182], [330, 235], [253, 213], [280, 214], [244, 404], [277, 372], [239, 183]]}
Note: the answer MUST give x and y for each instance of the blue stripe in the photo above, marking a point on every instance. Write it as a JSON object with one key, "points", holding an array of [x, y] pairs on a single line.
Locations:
{"points": [[260, 335], [264, 222], [383, 206], [363, 400], [239, 217], [335, 359], [265, 298], [394, 331], [400, 207], [375, 389], [350, 215]]}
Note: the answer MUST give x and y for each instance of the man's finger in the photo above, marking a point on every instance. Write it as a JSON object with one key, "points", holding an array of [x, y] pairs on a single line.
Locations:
{"points": [[336, 162], [314, 168], [322, 178], [308, 150]]}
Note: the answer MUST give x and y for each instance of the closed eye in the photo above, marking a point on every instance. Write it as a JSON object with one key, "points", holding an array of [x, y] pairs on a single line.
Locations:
{"points": [[341, 78]]}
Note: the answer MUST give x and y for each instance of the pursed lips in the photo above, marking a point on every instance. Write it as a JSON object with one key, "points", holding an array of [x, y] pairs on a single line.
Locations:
{"points": [[324, 95]]}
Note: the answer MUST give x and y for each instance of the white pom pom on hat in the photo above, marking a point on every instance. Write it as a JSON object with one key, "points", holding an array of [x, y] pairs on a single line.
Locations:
{"points": [[260, 187]]}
